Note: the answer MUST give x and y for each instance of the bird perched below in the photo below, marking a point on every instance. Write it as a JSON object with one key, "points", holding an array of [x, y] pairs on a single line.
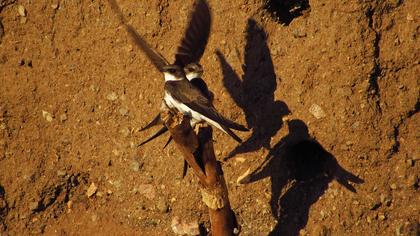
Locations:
{"points": [[188, 97], [193, 72]]}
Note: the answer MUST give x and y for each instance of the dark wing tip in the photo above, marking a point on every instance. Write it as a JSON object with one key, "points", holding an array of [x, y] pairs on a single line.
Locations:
{"points": [[157, 60], [239, 127], [232, 134], [167, 142], [152, 123], [157, 134], [196, 35]]}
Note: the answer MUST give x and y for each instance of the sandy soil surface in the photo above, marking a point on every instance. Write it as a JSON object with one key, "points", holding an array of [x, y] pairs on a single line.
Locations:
{"points": [[74, 91]]}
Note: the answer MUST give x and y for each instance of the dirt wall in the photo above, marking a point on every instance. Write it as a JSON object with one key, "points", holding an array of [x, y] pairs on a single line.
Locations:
{"points": [[75, 90]]}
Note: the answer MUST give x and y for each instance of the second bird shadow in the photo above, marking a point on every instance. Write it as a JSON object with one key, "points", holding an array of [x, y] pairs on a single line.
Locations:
{"points": [[254, 92], [300, 170]]}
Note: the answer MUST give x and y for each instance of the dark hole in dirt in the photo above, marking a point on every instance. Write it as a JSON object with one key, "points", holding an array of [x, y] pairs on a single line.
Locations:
{"points": [[284, 11], [308, 160], [1, 31], [3, 205]]}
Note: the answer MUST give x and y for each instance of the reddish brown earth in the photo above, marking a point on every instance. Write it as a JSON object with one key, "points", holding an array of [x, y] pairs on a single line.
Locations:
{"points": [[75, 90]]}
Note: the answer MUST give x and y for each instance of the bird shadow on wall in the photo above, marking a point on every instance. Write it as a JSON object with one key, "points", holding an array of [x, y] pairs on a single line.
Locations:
{"points": [[254, 93], [300, 170]]}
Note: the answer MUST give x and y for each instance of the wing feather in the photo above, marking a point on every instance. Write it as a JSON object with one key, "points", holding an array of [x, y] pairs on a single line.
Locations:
{"points": [[196, 35], [156, 58]]}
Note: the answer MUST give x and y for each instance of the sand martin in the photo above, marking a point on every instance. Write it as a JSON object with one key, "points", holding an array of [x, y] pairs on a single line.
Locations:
{"points": [[180, 93], [193, 72]]}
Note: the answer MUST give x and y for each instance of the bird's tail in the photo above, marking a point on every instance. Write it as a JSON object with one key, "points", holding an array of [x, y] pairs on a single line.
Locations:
{"points": [[152, 123], [234, 125], [157, 134], [224, 128]]}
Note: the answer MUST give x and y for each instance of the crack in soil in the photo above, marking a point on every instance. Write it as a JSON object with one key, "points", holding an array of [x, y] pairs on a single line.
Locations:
{"points": [[396, 132], [373, 90]]}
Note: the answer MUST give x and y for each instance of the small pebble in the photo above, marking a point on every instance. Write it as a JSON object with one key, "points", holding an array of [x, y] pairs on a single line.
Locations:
{"points": [[299, 34], [381, 216], [386, 199], [21, 10], [54, 6], [413, 181], [410, 17], [112, 96], [23, 20], [91, 190], [410, 163], [355, 125], [317, 111], [162, 206], [184, 228], [93, 88], [240, 159], [69, 205], [123, 111], [63, 117], [135, 165], [125, 132], [33, 206], [303, 232], [47, 116], [393, 186], [116, 152], [147, 190], [398, 230], [61, 173]]}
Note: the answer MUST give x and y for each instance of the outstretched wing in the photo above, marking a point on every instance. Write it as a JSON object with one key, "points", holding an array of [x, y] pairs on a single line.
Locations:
{"points": [[157, 60], [196, 35]]}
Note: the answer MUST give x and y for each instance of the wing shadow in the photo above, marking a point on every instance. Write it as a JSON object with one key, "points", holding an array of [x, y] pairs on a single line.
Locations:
{"points": [[254, 93]]}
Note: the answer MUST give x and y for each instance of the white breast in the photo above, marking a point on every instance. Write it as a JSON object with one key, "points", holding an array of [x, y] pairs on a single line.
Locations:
{"points": [[192, 75], [170, 77], [195, 116]]}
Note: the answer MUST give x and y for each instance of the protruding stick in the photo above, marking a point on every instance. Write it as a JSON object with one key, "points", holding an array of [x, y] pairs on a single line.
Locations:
{"points": [[198, 151]]}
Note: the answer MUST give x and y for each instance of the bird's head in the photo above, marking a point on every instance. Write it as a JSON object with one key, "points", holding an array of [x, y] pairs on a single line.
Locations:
{"points": [[173, 73], [193, 70]]}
